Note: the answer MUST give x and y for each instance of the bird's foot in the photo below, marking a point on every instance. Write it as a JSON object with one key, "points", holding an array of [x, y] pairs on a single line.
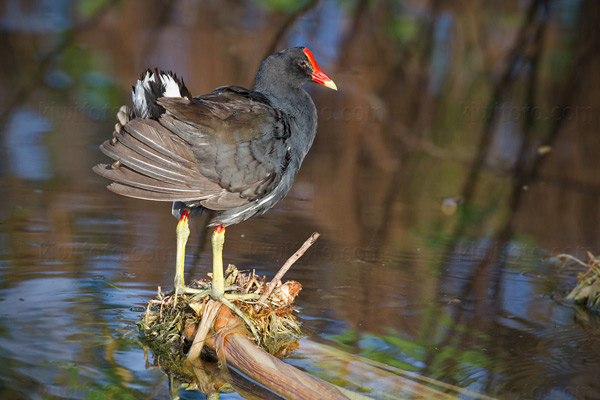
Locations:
{"points": [[225, 298], [207, 291], [182, 289], [200, 293]]}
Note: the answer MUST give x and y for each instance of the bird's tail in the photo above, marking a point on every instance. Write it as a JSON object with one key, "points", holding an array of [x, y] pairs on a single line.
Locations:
{"points": [[153, 85]]}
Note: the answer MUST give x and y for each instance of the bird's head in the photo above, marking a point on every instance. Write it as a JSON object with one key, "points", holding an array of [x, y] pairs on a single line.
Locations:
{"points": [[295, 65]]}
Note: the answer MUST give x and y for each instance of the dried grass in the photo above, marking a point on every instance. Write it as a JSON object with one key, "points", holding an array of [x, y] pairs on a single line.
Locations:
{"points": [[168, 327], [587, 290]]}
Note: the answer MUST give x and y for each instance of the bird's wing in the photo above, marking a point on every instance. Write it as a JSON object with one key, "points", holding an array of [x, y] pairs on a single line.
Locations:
{"points": [[237, 137], [224, 150]]}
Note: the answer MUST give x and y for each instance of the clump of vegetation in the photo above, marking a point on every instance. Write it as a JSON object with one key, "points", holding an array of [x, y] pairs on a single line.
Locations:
{"points": [[170, 324], [587, 290], [194, 337]]}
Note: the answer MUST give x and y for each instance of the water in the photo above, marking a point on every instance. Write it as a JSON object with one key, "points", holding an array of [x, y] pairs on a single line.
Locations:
{"points": [[411, 269]]}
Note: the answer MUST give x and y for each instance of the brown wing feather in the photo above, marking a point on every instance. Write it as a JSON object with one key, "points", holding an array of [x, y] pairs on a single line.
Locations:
{"points": [[241, 146]]}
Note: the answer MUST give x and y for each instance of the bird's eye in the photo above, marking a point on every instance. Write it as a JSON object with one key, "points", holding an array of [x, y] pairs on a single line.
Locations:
{"points": [[303, 63]]}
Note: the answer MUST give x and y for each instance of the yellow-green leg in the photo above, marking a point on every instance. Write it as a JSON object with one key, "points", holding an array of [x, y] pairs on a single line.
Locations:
{"points": [[217, 290], [218, 280], [183, 233]]}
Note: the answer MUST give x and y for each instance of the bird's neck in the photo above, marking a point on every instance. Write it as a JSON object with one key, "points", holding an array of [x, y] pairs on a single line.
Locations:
{"points": [[295, 102], [280, 94]]}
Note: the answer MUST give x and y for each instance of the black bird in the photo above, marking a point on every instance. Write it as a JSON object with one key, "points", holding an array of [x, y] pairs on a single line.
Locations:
{"points": [[234, 150]]}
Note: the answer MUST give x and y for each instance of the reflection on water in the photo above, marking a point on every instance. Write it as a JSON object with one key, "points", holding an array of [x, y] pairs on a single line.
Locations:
{"points": [[459, 154], [28, 159]]}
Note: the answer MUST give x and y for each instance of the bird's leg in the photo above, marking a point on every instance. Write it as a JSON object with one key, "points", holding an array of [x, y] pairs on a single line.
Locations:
{"points": [[217, 289], [218, 280], [183, 233]]}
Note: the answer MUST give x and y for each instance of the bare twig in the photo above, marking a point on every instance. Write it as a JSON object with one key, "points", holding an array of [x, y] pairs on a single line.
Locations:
{"points": [[286, 266], [574, 259]]}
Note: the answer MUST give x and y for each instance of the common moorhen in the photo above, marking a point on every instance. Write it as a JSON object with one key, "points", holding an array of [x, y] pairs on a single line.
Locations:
{"points": [[234, 150]]}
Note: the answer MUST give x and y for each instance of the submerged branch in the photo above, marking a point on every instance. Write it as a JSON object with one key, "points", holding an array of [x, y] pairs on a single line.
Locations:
{"points": [[242, 354]]}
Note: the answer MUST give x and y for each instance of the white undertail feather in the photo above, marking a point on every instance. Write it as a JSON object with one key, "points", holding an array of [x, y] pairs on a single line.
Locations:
{"points": [[138, 97], [142, 89], [170, 85]]}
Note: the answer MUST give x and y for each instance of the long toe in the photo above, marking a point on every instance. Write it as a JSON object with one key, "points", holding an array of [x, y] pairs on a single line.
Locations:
{"points": [[244, 317]]}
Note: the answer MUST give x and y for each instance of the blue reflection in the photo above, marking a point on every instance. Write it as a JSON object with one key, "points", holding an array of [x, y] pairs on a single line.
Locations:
{"points": [[440, 56], [321, 32], [27, 158], [43, 16]]}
